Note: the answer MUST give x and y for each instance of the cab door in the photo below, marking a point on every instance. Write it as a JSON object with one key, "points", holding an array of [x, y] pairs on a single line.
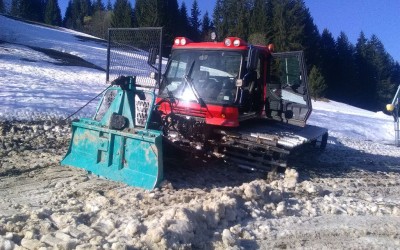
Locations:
{"points": [[287, 98]]}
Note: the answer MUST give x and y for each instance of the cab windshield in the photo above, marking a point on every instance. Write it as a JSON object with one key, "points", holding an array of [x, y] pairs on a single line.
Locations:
{"points": [[212, 74]]}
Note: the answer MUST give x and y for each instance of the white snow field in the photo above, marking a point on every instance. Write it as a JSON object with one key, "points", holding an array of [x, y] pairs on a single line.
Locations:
{"points": [[346, 197], [35, 85]]}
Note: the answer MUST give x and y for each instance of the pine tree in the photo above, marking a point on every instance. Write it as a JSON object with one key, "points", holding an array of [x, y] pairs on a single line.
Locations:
{"points": [[311, 38], [52, 13], [206, 25], [24, 7], [258, 19], [345, 73], [383, 64], [184, 25], [328, 60], [395, 77], [220, 21], [288, 23], [242, 8], [86, 14], [73, 15], [77, 14], [86, 8], [37, 11], [317, 83], [109, 5], [231, 18], [258, 23], [98, 6], [2, 9], [365, 72], [122, 14], [395, 74], [68, 19], [147, 13], [31, 10], [195, 21], [171, 20], [269, 16], [15, 8]]}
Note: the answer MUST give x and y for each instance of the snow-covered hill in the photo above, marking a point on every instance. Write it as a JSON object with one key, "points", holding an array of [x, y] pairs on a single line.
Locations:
{"points": [[347, 197], [47, 72]]}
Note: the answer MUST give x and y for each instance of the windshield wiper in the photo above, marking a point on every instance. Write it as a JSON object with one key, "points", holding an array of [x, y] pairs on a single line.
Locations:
{"points": [[170, 95], [189, 81]]}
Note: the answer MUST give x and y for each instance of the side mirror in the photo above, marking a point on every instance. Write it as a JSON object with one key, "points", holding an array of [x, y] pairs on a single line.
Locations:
{"points": [[153, 52], [239, 83]]}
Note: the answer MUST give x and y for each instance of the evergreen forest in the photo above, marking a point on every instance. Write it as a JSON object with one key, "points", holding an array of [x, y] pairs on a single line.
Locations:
{"points": [[362, 74]]}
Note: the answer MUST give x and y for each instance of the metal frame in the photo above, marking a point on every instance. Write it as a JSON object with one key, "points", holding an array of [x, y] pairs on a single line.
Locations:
{"points": [[302, 66], [396, 103], [158, 66]]}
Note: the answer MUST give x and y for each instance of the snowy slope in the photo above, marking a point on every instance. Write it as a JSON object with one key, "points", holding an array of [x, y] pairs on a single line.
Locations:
{"points": [[343, 120], [34, 85], [42, 85], [64, 40]]}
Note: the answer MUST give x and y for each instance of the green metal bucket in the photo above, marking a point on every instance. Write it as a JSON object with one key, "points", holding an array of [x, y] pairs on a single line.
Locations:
{"points": [[132, 155], [131, 158]]}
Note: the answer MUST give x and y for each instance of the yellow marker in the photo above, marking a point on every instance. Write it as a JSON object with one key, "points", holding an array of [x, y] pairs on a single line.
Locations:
{"points": [[390, 107]]}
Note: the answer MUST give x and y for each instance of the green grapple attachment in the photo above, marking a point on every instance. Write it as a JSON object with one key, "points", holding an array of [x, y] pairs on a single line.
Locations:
{"points": [[117, 143]]}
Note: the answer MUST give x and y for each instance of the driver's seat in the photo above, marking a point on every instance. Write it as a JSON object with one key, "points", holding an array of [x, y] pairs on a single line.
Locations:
{"points": [[202, 78]]}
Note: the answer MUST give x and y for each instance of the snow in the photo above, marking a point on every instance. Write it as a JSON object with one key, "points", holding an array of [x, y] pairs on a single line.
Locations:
{"points": [[347, 121], [346, 197], [34, 85]]}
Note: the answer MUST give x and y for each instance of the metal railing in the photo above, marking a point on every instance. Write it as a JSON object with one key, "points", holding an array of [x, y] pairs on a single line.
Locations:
{"points": [[395, 109]]}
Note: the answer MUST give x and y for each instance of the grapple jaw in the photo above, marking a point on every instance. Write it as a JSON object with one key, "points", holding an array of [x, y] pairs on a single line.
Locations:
{"points": [[117, 144]]}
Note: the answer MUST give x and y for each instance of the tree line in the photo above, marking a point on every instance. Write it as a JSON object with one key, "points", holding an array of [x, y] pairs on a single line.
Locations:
{"points": [[45, 11], [364, 74]]}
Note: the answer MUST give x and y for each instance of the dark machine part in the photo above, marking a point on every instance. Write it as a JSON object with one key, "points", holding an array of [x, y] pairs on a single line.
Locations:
{"points": [[260, 146], [188, 133]]}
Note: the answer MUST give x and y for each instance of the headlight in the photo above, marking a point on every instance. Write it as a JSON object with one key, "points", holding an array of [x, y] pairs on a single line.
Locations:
{"points": [[228, 42], [183, 41]]}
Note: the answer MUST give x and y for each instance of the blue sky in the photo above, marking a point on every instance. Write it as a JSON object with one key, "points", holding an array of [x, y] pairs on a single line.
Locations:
{"points": [[379, 17]]}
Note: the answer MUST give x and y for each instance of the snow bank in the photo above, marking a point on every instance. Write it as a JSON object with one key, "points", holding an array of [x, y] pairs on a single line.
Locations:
{"points": [[343, 120]]}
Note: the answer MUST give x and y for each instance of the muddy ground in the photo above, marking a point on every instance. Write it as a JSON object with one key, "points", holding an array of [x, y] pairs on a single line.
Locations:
{"points": [[346, 197]]}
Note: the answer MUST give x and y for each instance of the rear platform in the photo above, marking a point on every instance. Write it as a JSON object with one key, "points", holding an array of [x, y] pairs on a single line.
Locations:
{"points": [[284, 135], [266, 145]]}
